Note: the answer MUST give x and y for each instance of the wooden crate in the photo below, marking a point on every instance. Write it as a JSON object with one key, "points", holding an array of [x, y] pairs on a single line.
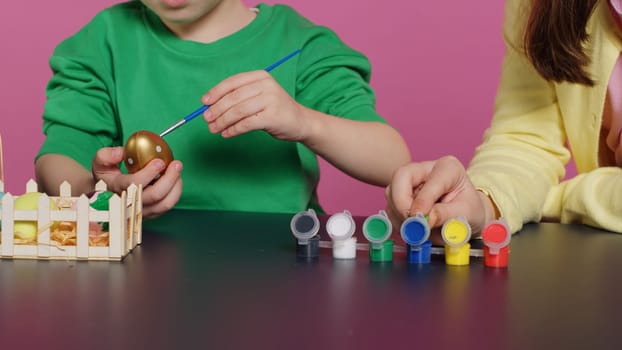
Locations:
{"points": [[124, 219]]}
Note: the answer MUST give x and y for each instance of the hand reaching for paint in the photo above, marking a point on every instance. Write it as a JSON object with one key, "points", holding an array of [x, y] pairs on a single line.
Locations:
{"points": [[440, 189], [254, 101]]}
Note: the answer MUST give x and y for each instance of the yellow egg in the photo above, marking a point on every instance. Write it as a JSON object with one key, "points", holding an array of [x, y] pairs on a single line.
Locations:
{"points": [[142, 147], [27, 230]]}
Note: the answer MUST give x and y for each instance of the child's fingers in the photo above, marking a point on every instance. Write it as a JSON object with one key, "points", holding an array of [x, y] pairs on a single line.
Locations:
{"points": [[404, 182], [119, 182], [253, 122], [441, 212], [232, 83], [105, 166], [107, 158], [441, 181], [160, 189], [237, 114], [230, 100], [167, 203]]}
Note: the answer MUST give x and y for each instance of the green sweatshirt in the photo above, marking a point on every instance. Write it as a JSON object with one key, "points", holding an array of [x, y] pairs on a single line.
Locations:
{"points": [[125, 71]]}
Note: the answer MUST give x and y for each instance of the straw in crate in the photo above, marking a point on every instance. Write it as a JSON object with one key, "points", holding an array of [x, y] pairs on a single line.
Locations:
{"points": [[64, 230]]}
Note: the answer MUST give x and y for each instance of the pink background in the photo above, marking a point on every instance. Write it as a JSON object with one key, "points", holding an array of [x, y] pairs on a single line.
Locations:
{"points": [[435, 72]]}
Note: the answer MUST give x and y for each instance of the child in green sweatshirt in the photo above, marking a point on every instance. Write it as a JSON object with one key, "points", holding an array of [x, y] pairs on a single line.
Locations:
{"points": [[143, 65]]}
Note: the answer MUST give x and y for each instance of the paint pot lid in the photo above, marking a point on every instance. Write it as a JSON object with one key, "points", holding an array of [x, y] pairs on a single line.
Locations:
{"points": [[496, 234], [377, 228], [415, 230], [305, 225], [340, 226], [456, 232]]}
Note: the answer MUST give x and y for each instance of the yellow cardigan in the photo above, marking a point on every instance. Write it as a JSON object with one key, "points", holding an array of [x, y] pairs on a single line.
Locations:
{"points": [[522, 159]]}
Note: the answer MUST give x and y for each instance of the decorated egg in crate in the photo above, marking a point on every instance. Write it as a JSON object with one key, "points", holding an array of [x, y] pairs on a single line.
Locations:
{"points": [[27, 230]]}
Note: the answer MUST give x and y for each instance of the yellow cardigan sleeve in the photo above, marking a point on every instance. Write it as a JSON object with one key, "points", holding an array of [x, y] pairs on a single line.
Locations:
{"points": [[593, 198], [523, 154]]}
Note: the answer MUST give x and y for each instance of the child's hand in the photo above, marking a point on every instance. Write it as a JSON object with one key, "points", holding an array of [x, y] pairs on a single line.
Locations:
{"points": [[440, 189], [253, 101], [159, 194]]}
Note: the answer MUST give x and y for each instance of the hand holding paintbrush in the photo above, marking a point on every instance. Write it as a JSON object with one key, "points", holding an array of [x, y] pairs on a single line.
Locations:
{"points": [[144, 146]]}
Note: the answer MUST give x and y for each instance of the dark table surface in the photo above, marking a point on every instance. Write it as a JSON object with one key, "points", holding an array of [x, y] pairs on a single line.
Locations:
{"points": [[232, 281]]}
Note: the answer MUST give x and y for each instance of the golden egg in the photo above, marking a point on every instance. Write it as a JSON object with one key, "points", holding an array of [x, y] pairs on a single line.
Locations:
{"points": [[143, 146]]}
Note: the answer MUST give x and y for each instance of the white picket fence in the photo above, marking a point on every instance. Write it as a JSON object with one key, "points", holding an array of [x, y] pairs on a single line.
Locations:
{"points": [[124, 219]]}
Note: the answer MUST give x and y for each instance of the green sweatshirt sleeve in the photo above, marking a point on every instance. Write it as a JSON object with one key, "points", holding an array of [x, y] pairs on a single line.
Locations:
{"points": [[78, 118], [593, 198], [334, 78]]}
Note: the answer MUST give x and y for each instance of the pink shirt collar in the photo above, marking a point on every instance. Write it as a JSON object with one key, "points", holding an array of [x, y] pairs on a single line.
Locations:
{"points": [[617, 6], [616, 11], [612, 116]]}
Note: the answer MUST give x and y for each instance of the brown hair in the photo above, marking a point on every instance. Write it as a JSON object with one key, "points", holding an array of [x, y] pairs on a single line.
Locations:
{"points": [[554, 38]]}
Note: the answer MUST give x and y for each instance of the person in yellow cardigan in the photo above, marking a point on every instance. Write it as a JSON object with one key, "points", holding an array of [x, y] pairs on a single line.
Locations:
{"points": [[560, 93]]}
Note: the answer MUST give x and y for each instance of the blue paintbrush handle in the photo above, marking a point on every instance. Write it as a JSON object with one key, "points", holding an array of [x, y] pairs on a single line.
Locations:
{"points": [[196, 113], [278, 63], [204, 108]]}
